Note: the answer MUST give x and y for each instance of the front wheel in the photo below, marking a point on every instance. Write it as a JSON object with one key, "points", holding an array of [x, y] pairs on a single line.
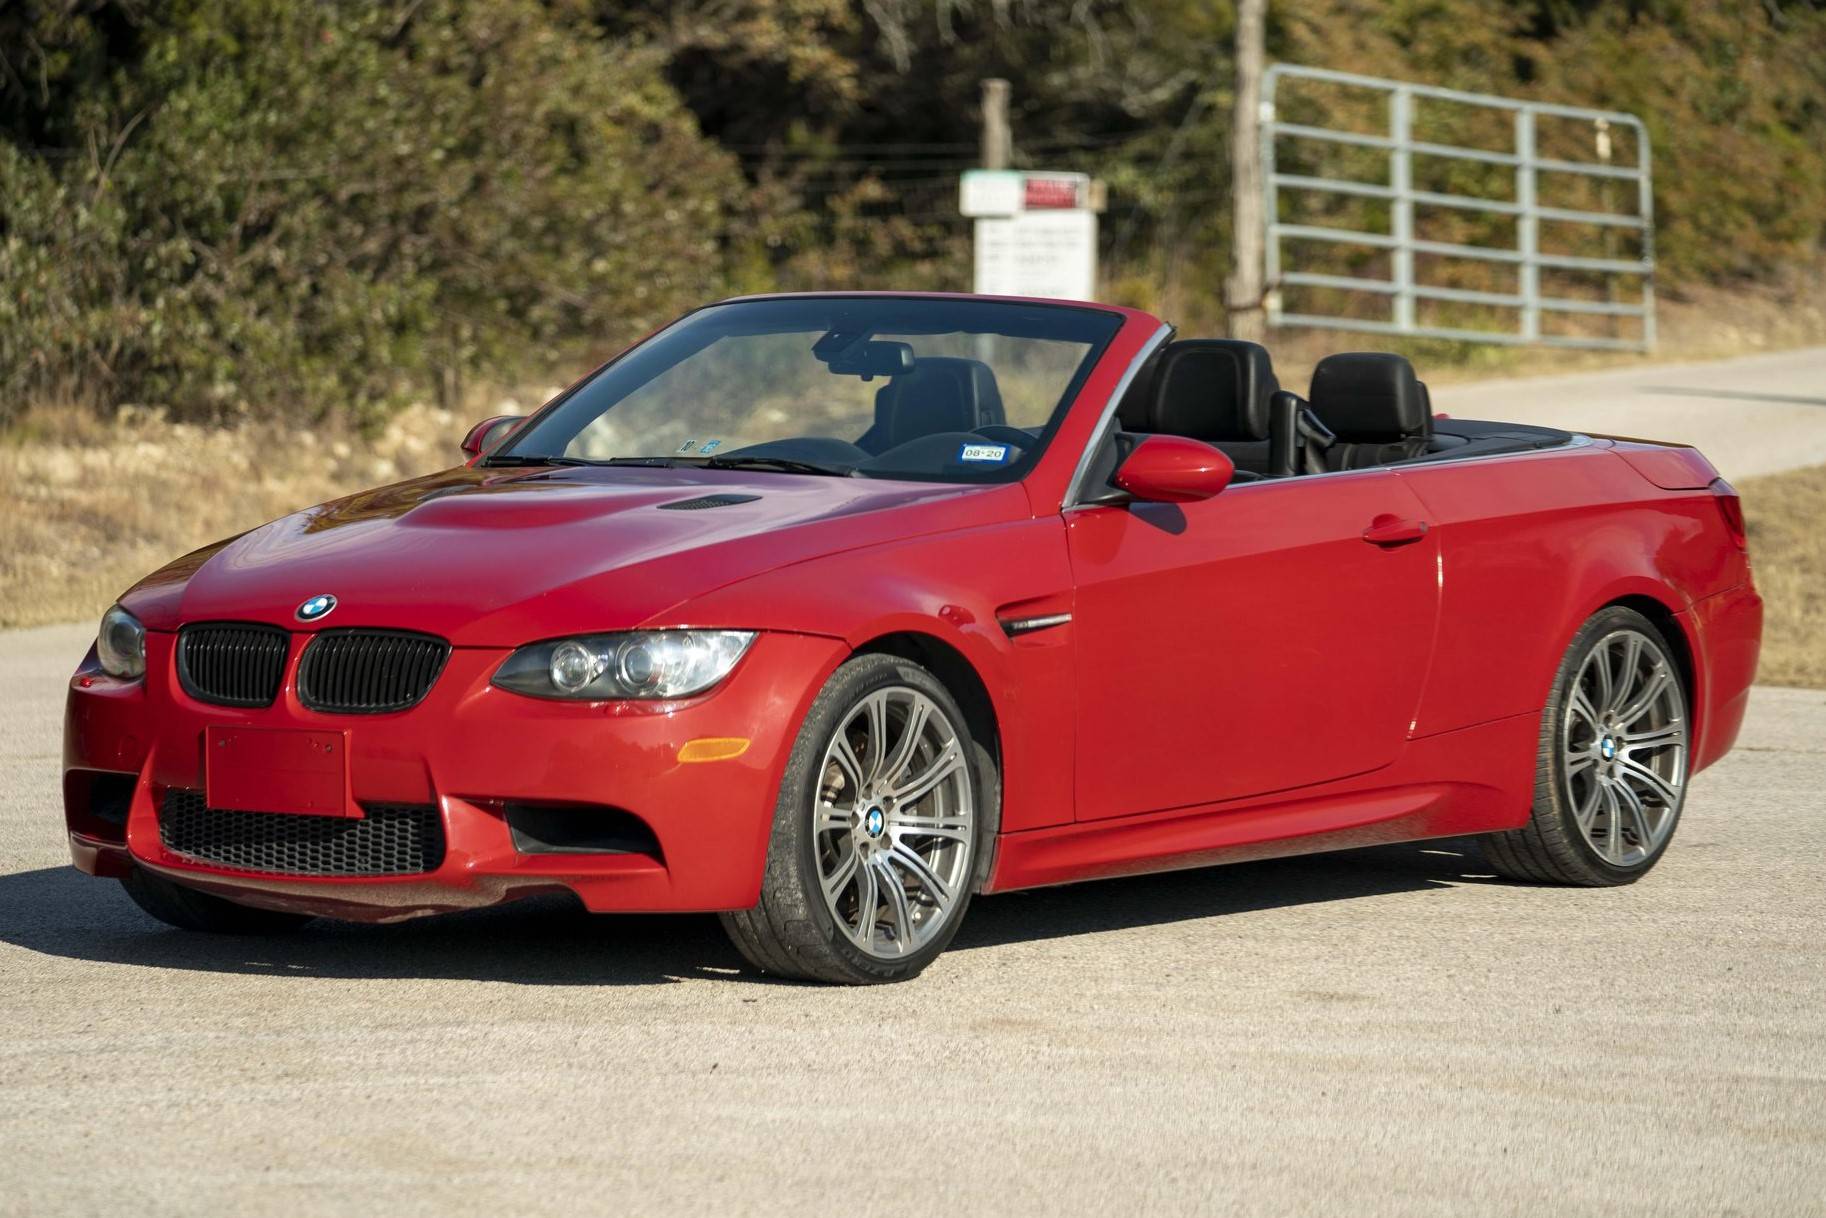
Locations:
{"points": [[886, 808], [1612, 772]]}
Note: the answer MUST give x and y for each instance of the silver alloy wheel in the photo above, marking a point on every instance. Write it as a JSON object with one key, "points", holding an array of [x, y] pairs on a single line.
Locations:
{"points": [[1624, 745], [895, 825]]}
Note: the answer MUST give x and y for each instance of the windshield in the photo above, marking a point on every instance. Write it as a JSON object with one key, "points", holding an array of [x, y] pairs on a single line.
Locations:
{"points": [[887, 387]]}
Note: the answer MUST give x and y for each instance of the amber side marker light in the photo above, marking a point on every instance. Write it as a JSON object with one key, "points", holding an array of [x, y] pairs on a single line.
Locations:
{"points": [[712, 748]]}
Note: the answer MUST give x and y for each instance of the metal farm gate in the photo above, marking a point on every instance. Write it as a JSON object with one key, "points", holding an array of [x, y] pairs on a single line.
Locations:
{"points": [[1623, 287]]}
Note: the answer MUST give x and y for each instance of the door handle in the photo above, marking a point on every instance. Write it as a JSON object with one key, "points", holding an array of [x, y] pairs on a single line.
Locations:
{"points": [[1387, 530]]}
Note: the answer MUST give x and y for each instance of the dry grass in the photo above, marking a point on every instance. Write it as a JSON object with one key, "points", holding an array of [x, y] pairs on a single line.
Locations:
{"points": [[1787, 516], [87, 508]]}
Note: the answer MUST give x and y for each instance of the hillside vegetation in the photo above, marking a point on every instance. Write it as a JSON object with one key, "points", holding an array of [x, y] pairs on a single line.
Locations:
{"points": [[228, 208]]}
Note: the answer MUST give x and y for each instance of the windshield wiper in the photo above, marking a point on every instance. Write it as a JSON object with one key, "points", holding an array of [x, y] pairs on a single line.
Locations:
{"points": [[519, 461], [652, 462], [785, 465]]}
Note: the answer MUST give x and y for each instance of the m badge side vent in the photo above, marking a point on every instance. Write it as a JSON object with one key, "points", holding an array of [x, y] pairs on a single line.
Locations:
{"points": [[707, 501]]}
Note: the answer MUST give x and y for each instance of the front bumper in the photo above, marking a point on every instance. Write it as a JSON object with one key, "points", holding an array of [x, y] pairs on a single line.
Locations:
{"points": [[468, 749]]}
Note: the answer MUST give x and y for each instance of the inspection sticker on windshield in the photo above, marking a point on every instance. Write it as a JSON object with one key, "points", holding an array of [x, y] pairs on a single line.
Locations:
{"points": [[992, 453], [686, 447], [709, 446]]}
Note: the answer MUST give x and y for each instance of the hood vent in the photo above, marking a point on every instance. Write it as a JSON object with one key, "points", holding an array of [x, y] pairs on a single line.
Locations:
{"points": [[707, 501]]}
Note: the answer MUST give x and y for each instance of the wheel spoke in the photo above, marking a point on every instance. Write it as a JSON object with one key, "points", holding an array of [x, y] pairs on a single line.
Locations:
{"points": [[868, 899], [1613, 839], [1586, 810], [952, 828], [910, 861], [1578, 762], [846, 760], [1600, 665], [950, 759], [1626, 671], [838, 880], [832, 819], [1638, 815], [1644, 701], [908, 744], [1657, 786], [903, 910], [1579, 704], [1655, 738], [876, 709]]}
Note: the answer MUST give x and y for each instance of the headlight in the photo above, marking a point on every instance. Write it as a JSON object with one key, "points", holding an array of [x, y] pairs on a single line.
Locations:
{"points": [[121, 644], [645, 664]]}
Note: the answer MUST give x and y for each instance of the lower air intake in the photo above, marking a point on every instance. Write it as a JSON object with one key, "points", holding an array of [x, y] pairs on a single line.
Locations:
{"points": [[392, 839]]}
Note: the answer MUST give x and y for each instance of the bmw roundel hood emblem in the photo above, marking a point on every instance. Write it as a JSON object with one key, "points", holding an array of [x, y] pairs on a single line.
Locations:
{"points": [[318, 606]]}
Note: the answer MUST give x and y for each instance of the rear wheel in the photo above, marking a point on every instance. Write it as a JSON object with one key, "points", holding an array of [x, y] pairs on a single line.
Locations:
{"points": [[885, 810], [1612, 772], [188, 909]]}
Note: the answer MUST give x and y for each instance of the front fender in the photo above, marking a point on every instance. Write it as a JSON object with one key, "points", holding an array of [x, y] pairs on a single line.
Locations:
{"points": [[953, 587]]}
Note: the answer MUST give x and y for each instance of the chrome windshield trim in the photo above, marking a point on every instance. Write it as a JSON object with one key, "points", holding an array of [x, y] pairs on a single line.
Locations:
{"points": [[1074, 488]]}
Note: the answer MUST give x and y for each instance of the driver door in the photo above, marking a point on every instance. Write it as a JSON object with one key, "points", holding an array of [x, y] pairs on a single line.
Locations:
{"points": [[1249, 643]]}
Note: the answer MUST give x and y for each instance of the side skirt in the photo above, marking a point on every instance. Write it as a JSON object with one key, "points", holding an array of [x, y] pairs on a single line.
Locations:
{"points": [[1474, 780]]}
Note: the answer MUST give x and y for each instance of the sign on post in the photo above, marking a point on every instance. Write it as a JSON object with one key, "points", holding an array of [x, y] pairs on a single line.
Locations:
{"points": [[1036, 233]]}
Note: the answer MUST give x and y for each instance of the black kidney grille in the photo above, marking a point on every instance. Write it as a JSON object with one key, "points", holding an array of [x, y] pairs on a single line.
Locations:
{"points": [[368, 672], [232, 663], [393, 839]]}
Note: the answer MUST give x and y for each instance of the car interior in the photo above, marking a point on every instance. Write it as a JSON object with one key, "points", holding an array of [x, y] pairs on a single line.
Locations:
{"points": [[1363, 409]]}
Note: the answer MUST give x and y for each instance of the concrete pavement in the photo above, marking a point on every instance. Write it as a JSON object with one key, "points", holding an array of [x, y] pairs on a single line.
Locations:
{"points": [[1383, 1032], [1758, 414]]}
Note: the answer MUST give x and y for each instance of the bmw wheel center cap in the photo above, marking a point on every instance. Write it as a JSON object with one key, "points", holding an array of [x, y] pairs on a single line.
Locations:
{"points": [[317, 607], [874, 822], [1608, 747]]}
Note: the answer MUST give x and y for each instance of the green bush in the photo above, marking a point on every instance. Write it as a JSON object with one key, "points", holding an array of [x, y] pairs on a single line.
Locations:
{"points": [[277, 206]]}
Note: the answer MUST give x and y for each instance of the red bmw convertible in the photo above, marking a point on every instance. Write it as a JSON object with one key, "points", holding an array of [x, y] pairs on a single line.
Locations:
{"points": [[827, 612]]}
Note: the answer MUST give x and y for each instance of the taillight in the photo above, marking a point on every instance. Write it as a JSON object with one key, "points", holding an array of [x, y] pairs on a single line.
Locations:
{"points": [[1732, 509]]}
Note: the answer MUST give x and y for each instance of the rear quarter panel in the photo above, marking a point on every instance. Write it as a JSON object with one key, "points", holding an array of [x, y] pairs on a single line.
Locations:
{"points": [[1533, 544]]}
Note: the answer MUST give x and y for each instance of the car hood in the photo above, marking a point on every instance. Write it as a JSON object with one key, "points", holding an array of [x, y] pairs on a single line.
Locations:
{"points": [[494, 559]]}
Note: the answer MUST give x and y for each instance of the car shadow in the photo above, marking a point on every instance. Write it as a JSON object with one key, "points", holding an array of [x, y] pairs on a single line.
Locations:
{"points": [[57, 911]]}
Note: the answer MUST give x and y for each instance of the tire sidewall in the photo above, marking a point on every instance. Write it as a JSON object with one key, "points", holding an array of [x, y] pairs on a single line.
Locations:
{"points": [[1596, 628]]}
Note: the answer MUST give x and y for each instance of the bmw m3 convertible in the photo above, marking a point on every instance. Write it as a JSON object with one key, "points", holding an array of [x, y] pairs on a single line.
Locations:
{"points": [[828, 612]]}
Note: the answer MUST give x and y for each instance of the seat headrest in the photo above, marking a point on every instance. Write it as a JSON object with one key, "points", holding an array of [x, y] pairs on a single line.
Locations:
{"points": [[1370, 395], [942, 393], [1209, 389]]}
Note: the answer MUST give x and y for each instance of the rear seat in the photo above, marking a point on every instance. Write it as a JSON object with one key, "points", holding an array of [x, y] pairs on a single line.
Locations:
{"points": [[1211, 389], [1379, 410]]}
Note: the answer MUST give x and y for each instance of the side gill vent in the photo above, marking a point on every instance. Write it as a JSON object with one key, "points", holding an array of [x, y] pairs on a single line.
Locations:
{"points": [[707, 501]]}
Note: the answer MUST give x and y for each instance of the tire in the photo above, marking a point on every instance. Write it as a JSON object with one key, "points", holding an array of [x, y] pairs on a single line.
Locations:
{"points": [[188, 909], [841, 822], [1610, 781]]}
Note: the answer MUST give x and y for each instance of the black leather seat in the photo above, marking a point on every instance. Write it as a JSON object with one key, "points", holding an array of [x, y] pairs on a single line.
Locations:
{"points": [[941, 394], [1377, 407], [1211, 389]]}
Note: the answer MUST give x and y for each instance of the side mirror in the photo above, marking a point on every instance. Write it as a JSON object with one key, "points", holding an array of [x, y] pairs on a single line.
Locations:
{"points": [[1174, 469], [490, 432]]}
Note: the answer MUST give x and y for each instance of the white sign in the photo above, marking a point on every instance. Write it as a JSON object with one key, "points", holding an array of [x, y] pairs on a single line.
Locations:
{"points": [[991, 192], [1038, 253]]}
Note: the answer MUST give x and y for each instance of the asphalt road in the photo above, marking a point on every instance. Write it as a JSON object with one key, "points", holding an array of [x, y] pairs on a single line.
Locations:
{"points": [[1758, 414], [1387, 1031]]}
